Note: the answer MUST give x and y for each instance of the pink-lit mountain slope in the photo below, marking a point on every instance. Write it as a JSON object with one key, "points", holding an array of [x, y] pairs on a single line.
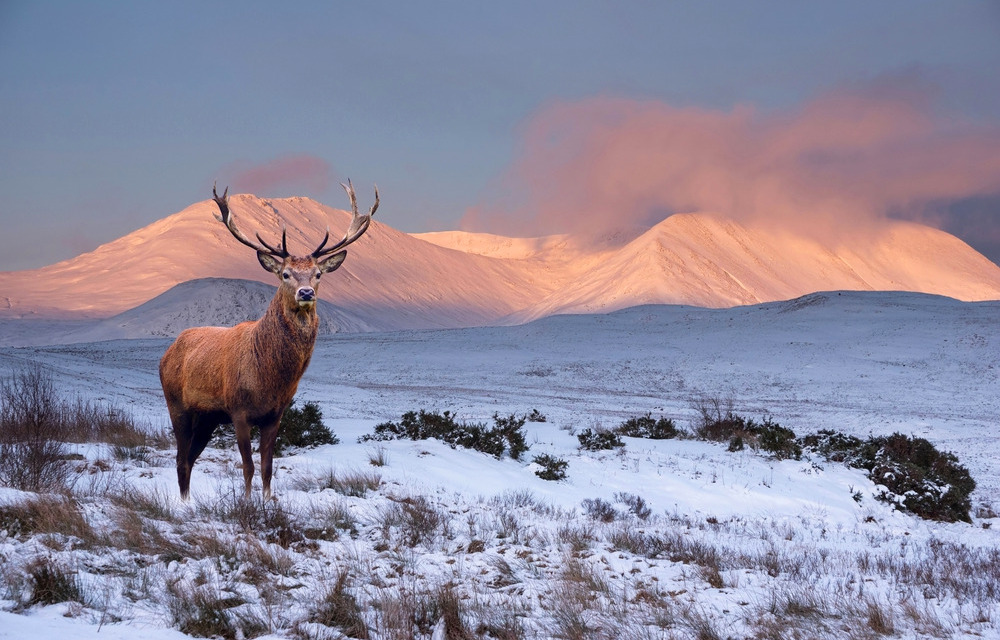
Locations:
{"points": [[389, 278], [392, 280], [708, 261]]}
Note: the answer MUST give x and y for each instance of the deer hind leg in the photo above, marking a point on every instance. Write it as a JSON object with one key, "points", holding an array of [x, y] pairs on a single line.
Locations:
{"points": [[246, 452], [202, 428], [183, 433], [268, 436]]}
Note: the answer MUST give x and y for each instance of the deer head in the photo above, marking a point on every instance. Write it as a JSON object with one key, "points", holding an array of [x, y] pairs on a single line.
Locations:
{"points": [[299, 276]]}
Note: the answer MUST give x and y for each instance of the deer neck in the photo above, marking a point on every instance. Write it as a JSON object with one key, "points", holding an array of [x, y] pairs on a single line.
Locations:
{"points": [[287, 330]]}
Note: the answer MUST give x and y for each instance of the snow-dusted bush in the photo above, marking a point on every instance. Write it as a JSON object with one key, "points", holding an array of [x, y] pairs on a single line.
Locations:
{"points": [[776, 440], [506, 436], [552, 468], [206, 611], [917, 477], [349, 483], [739, 431], [536, 416], [300, 429], [646, 427], [600, 510], [303, 428], [637, 506], [599, 439]]}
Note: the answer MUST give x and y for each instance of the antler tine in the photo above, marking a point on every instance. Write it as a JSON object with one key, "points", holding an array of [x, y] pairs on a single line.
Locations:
{"points": [[282, 251], [359, 224], [226, 218]]}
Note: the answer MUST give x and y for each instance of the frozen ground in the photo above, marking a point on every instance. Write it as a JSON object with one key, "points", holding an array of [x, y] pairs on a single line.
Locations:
{"points": [[861, 363]]}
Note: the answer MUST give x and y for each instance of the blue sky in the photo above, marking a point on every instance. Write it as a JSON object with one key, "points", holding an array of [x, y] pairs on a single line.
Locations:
{"points": [[115, 114]]}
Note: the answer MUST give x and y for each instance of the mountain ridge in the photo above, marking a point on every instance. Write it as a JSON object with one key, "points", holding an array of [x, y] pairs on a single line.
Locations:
{"points": [[394, 280]]}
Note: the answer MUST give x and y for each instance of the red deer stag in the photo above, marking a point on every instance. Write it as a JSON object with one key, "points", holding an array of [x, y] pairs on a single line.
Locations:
{"points": [[248, 374]]}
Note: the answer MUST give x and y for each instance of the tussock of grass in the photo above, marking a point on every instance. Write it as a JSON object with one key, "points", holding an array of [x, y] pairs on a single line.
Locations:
{"points": [[268, 519], [204, 611], [46, 514], [338, 608], [52, 583]]}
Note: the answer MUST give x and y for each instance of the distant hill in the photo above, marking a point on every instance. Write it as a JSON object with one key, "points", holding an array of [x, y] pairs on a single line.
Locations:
{"points": [[394, 280], [202, 302]]}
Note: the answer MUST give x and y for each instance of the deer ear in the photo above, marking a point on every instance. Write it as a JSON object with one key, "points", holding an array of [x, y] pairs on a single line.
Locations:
{"points": [[269, 262], [326, 265]]}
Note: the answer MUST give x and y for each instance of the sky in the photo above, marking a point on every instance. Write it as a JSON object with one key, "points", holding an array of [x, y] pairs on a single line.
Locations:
{"points": [[521, 118]]}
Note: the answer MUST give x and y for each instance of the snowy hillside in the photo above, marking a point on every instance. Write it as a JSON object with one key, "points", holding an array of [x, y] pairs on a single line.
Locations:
{"points": [[195, 303], [205, 301], [392, 280], [734, 544]]}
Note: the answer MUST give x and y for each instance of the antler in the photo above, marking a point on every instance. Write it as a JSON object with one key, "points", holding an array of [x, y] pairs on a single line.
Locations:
{"points": [[226, 218], [359, 224]]}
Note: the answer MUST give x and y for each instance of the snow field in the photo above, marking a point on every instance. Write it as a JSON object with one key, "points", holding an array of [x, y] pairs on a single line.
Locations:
{"points": [[432, 539]]}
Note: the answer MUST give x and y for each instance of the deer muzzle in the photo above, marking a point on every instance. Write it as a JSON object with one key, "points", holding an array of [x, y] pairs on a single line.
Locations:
{"points": [[305, 295]]}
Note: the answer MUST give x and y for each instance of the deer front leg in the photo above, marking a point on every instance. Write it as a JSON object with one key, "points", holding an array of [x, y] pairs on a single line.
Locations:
{"points": [[246, 452], [268, 436]]}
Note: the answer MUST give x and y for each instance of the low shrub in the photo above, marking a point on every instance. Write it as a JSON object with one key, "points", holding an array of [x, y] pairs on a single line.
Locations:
{"points": [[417, 520], [203, 611], [724, 428], [738, 431], [917, 477], [269, 520], [599, 509], [300, 429], [536, 416], [636, 504], [646, 427], [356, 484], [833, 445], [552, 468], [506, 436], [777, 440], [923, 480], [599, 439], [32, 453], [303, 428]]}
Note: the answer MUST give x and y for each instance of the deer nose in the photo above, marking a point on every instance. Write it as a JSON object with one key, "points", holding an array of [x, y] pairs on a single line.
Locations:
{"points": [[305, 294]]}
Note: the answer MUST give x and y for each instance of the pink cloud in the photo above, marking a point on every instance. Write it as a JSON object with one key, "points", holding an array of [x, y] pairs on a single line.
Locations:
{"points": [[838, 163], [284, 176]]}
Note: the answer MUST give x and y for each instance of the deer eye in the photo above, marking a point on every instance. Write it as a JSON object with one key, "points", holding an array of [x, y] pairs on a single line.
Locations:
{"points": [[286, 275]]}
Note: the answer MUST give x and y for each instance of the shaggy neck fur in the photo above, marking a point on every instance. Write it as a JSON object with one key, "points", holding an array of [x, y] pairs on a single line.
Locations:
{"points": [[284, 338]]}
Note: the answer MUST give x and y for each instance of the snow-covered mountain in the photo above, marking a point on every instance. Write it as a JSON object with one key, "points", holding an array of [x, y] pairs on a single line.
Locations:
{"points": [[389, 276], [394, 280], [204, 301]]}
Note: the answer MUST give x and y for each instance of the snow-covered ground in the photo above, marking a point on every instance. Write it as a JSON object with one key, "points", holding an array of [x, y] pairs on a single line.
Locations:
{"points": [[737, 543]]}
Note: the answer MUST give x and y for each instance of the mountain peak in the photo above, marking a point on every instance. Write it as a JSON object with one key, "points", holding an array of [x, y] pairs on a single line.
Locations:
{"points": [[393, 280]]}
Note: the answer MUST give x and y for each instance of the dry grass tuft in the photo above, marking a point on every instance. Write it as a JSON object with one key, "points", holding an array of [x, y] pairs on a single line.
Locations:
{"points": [[46, 514]]}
